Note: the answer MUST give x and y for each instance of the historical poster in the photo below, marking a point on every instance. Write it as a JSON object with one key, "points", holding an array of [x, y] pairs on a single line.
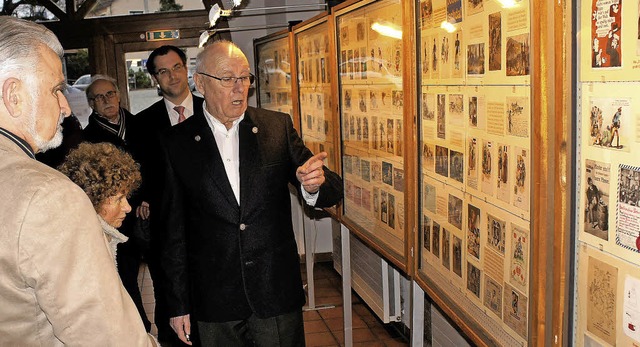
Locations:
{"points": [[610, 123], [606, 33], [496, 229], [515, 310], [487, 167], [493, 296], [628, 209], [473, 280], [472, 162], [495, 41], [631, 307], [596, 199], [520, 244], [473, 231], [521, 179], [602, 281], [503, 186]]}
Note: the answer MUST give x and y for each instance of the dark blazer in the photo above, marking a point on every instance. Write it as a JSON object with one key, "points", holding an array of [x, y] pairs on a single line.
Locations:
{"points": [[224, 260], [94, 133], [147, 127]]}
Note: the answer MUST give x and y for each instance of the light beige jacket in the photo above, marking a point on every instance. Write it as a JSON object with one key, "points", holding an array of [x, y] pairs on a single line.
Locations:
{"points": [[58, 285]]}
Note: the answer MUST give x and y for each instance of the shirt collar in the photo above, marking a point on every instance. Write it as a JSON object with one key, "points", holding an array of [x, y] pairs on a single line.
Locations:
{"points": [[217, 124], [19, 141], [187, 103]]}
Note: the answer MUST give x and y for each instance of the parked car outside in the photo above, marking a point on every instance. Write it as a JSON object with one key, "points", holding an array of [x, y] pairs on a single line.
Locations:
{"points": [[83, 82]]}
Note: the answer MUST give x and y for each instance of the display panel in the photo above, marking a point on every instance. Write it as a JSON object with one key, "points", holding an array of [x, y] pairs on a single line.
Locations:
{"points": [[273, 68], [313, 52], [475, 165], [608, 175], [370, 70]]}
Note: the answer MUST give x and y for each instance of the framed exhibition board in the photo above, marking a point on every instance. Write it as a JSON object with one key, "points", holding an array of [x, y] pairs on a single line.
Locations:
{"points": [[607, 283], [273, 70], [370, 65], [314, 60], [475, 144]]}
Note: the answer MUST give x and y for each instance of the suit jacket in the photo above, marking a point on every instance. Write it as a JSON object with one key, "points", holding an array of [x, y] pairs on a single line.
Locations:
{"points": [[94, 133], [226, 260], [147, 127], [58, 283]]}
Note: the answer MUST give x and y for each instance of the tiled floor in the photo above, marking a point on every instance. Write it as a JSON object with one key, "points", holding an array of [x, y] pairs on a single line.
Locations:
{"points": [[324, 325]]}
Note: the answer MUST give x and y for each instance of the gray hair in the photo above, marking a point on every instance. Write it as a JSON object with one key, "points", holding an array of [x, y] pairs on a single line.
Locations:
{"points": [[96, 78], [20, 41]]}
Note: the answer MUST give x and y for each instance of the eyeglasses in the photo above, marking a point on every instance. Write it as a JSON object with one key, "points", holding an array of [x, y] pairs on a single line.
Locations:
{"points": [[167, 72], [103, 98], [231, 81]]}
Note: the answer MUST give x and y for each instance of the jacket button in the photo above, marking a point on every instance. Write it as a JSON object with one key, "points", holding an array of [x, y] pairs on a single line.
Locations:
{"points": [[242, 226]]}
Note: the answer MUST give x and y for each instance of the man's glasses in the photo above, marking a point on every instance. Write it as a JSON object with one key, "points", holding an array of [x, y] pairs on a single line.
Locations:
{"points": [[231, 81], [166, 72], [103, 98]]}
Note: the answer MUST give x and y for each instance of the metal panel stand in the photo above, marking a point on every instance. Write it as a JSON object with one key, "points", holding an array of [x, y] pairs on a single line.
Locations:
{"points": [[346, 286], [310, 234], [417, 315]]}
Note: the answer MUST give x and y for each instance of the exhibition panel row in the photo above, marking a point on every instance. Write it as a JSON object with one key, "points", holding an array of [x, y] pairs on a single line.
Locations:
{"points": [[425, 109]]}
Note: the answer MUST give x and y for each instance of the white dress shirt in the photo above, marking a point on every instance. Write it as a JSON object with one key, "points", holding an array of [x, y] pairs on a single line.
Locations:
{"points": [[228, 141]]}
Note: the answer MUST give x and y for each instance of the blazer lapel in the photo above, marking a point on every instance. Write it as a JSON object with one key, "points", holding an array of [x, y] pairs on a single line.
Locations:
{"points": [[249, 157], [206, 151]]}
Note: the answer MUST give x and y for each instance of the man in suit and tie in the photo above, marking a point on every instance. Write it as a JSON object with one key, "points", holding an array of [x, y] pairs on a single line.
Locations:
{"points": [[168, 67], [229, 249]]}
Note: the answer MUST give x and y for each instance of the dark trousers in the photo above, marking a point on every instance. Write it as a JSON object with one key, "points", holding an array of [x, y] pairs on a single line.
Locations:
{"points": [[129, 260], [286, 330]]}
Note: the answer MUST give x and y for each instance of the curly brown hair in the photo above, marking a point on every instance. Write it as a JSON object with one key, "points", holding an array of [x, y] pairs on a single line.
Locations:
{"points": [[102, 170]]}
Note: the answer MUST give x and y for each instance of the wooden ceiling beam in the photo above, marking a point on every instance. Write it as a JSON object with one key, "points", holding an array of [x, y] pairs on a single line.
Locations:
{"points": [[85, 8], [53, 8]]}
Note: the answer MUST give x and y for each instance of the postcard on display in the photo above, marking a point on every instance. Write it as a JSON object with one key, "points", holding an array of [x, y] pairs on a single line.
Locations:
{"points": [[446, 248], [486, 177], [610, 123], [475, 60], [628, 209], [496, 229], [495, 41], [473, 231], [517, 51], [474, 275], [601, 292], [435, 237], [522, 177], [441, 118], [442, 161], [457, 256], [426, 232], [631, 308], [518, 116], [454, 211], [515, 310], [428, 157], [456, 168], [493, 295], [519, 272], [596, 199], [606, 33], [474, 6], [503, 182], [472, 162]]}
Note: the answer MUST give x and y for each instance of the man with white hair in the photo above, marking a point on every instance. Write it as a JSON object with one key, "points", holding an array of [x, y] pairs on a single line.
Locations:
{"points": [[58, 285]]}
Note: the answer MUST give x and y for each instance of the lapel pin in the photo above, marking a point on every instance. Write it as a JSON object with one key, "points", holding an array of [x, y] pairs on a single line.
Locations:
{"points": [[255, 130], [197, 138]]}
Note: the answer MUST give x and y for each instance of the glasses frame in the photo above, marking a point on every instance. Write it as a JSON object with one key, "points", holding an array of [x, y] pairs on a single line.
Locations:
{"points": [[166, 72], [104, 97], [229, 82]]}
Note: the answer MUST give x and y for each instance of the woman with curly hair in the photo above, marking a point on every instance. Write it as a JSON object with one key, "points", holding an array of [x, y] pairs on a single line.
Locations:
{"points": [[108, 175]]}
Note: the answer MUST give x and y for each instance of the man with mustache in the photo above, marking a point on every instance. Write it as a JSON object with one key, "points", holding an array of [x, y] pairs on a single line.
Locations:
{"points": [[58, 285]]}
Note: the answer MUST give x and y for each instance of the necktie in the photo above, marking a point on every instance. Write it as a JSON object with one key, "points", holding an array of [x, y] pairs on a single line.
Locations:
{"points": [[180, 110]]}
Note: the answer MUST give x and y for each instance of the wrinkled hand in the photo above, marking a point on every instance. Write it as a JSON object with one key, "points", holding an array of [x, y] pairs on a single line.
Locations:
{"points": [[310, 174], [143, 211], [182, 326]]}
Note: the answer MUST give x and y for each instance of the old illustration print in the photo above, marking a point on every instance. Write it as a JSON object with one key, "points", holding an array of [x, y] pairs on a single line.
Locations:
{"points": [[519, 257], [493, 296], [457, 256], [610, 123], [495, 41], [472, 162], [631, 308], [521, 179], [473, 280], [515, 310], [596, 199], [606, 33], [473, 231], [628, 209], [496, 230], [503, 180], [446, 248], [602, 282], [518, 116], [454, 211], [487, 167]]}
